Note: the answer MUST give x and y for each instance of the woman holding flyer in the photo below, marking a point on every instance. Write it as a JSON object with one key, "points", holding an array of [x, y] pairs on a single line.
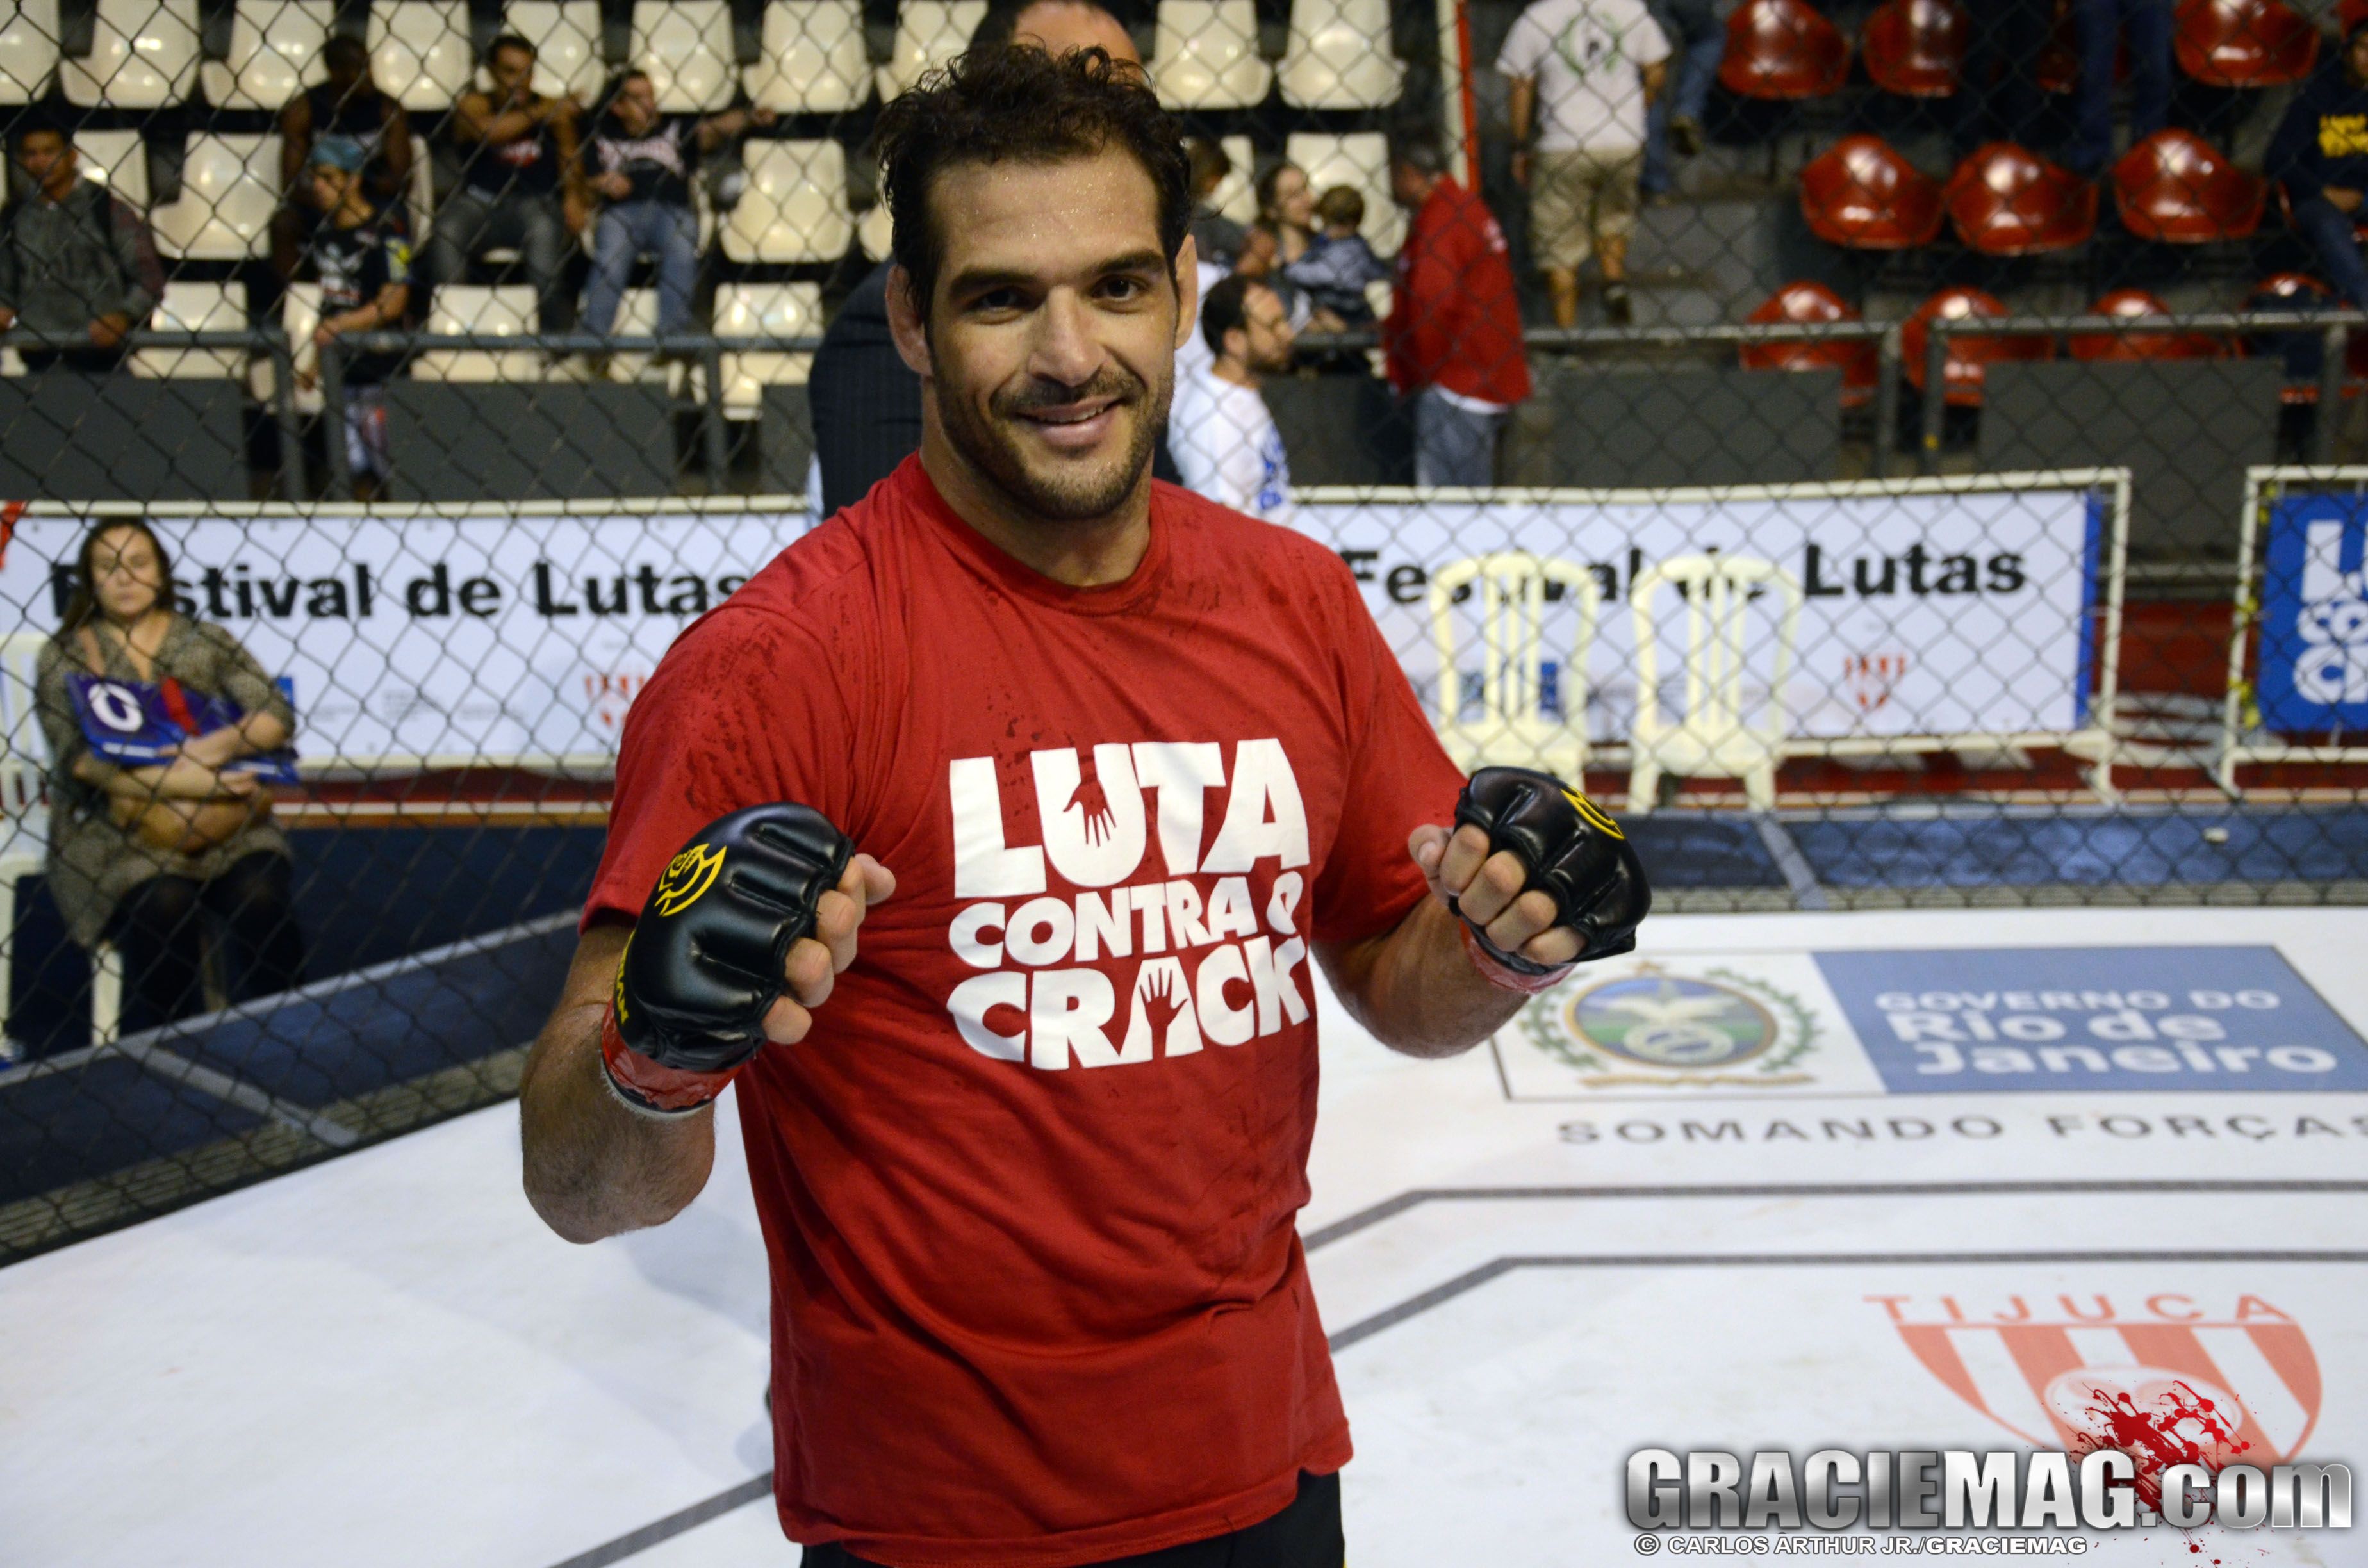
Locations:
{"points": [[162, 730]]}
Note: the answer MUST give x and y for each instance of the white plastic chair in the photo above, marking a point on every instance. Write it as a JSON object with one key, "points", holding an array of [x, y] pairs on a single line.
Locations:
{"points": [[419, 52], [813, 61], [637, 316], [876, 231], [566, 38], [508, 311], [195, 307], [928, 32], [29, 49], [230, 188], [765, 309], [1507, 599], [118, 160], [686, 46], [1714, 740], [794, 207], [1338, 56], [1361, 159], [1205, 56], [275, 53], [300, 313], [1237, 193], [143, 55]]}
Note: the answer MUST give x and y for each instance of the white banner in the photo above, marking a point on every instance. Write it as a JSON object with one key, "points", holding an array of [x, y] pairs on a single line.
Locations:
{"points": [[1926, 613]]}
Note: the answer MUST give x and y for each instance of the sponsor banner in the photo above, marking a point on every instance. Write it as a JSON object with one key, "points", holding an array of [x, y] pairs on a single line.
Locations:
{"points": [[1923, 614], [2313, 672], [1980, 1020], [493, 635]]}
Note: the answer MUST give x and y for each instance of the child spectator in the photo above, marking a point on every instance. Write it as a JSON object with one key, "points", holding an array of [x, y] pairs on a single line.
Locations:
{"points": [[1217, 237], [1338, 263], [361, 251]]}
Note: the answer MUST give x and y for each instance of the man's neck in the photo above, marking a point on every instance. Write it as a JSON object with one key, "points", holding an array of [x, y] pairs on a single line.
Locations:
{"points": [[1084, 555], [1228, 369], [58, 190]]}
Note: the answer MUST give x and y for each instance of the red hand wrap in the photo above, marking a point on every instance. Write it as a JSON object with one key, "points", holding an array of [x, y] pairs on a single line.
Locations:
{"points": [[1504, 979], [660, 1088]]}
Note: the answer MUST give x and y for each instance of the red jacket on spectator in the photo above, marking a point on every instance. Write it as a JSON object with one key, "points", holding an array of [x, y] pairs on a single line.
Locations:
{"points": [[1456, 322]]}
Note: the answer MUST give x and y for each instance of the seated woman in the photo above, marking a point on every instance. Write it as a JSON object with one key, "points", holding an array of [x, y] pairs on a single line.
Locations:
{"points": [[140, 856]]}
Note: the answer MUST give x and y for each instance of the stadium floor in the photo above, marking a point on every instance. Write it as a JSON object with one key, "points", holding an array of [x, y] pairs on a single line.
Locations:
{"points": [[1533, 1260]]}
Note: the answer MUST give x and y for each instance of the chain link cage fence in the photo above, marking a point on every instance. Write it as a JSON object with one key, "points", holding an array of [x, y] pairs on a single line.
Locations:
{"points": [[1897, 450]]}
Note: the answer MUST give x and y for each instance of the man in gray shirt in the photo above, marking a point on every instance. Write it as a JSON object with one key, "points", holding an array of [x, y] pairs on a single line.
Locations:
{"points": [[75, 263]]}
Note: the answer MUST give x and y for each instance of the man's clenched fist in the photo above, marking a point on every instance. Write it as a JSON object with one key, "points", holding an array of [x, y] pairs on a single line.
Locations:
{"points": [[710, 955], [1542, 838]]}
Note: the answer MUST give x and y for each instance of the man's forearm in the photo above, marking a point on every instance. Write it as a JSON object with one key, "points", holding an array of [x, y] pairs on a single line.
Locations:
{"points": [[595, 1168], [1415, 989]]}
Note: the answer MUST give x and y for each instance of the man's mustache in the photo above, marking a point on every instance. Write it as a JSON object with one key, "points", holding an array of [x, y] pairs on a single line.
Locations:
{"points": [[1109, 382]]}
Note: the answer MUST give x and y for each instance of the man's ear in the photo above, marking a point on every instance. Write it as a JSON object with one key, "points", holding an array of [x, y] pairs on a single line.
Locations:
{"points": [[1187, 291], [907, 323]]}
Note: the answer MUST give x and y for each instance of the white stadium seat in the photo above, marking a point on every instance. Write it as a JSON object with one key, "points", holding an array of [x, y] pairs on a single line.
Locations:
{"points": [[118, 160], [566, 38], [813, 61], [143, 55], [419, 52], [230, 187], [1360, 159], [195, 307], [1338, 56], [275, 53], [637, 316], [765, 309], [1237, 193], [508, 309], [29, 49], [928, 32], [686, 46], [795, 207], [877, 232], [1206, 55], [300, 313]]}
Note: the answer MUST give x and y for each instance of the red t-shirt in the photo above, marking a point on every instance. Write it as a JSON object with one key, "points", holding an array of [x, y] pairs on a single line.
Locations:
{"points": [[1028, 1187]]}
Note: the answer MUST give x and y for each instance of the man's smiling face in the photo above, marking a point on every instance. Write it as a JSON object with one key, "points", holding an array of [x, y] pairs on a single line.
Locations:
{"points": [[1052, 331]]}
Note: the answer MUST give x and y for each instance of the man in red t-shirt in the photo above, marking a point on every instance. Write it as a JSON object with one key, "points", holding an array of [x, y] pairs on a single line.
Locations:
{"points": [[1453, 333], [1028, 1166]]}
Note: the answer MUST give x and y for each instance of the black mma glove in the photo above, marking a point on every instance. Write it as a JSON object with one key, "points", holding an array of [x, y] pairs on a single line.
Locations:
{"points": [[705, 963], [1574, 853]]}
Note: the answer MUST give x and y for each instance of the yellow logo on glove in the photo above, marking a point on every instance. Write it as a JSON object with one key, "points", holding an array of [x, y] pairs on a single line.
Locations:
{"points": [[687, 875], [1593, 814]]}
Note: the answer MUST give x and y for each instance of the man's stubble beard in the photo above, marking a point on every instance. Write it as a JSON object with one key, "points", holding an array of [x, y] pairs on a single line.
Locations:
{"points": [[1064, 497]]}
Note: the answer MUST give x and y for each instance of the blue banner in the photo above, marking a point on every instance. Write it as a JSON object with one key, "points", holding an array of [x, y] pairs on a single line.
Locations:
{"points": [[2313, 673], [1979, 1020], [138, 723]]}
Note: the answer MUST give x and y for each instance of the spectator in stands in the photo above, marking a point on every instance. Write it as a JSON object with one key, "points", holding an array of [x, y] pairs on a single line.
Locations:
{"points": [[2320, 151], [1287, 210], [2105, 26], [640, 163], [866, 403], [77, 263], [1334, 272], [1591, 66], [1217, 237], [1454, 327], [521, 181], [140, 856], [1224, 439], [361, 250], [1673, 121], [348, 104]]}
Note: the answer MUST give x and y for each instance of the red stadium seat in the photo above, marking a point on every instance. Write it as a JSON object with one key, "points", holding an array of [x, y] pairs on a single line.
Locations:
{"points": [[2004, 200], [1961, 377], [2298, 291], [1782, 48], [1860, 193], [1915, 49], [2144, 345], [2244, 43], [1814, 302], [2176, 186]]}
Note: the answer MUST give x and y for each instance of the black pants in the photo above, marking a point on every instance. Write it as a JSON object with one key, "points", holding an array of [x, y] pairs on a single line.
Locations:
{"points": [[160, 924], [1304, 1535]]}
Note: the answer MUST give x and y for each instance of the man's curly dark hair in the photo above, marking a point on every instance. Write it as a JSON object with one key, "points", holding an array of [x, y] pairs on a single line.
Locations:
{"points": [[1020, 105]]}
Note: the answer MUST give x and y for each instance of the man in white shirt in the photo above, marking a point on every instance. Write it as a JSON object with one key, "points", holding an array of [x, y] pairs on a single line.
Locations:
{"points": [[1593, 67], [1224, 439]]}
